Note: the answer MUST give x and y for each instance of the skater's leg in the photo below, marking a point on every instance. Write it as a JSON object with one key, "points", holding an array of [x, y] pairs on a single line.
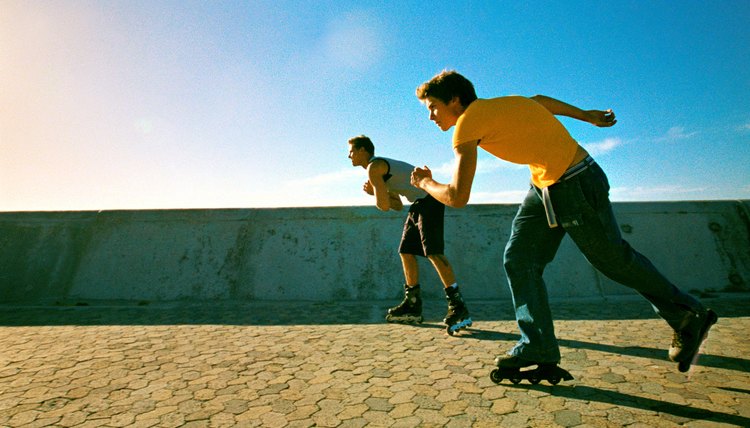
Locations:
{"points": [[410, 309], [431, 227], [411, 269], [443, 269], [410, 247], [584, 210], [532, 245], [457, 316]]}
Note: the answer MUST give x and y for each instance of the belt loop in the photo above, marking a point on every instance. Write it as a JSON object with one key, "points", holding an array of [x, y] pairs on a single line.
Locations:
{"points": [[548, 209]]}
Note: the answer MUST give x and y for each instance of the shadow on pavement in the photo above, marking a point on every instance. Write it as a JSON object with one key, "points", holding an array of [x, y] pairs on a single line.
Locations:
{"points": [[671, 411], [335, 313], [705, 360]]}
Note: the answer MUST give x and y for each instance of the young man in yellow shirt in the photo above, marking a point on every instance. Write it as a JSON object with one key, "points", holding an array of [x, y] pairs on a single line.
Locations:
{"points": [[569, 195]]}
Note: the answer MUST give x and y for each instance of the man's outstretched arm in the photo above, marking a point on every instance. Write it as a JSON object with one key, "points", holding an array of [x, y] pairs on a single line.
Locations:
{"points": [[601, 118]]}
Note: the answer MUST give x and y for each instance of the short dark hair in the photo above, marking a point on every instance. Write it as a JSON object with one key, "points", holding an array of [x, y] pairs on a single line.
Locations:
{"points": [[363, 142], [447, 85]]}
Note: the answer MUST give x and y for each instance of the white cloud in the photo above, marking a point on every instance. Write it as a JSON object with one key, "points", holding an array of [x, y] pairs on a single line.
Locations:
{"points": [[603, 147], [667, 192], [676, 133], [330, 179], [355, 40], [335, 188], [505, 197]]}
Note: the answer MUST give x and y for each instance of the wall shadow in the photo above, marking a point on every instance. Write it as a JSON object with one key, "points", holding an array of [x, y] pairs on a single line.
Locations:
{"points": [[267, 313], [334, 313]]}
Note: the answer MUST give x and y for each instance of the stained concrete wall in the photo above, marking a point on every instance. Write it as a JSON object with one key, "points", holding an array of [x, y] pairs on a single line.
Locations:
{"points": [[335, 253]]}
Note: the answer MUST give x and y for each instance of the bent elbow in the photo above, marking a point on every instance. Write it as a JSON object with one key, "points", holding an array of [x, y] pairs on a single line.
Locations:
{"points": [[459, 204], [459, 201]]}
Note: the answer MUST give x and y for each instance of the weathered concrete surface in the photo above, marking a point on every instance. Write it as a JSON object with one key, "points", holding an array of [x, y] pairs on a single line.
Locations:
{"points": [[346, 253]]}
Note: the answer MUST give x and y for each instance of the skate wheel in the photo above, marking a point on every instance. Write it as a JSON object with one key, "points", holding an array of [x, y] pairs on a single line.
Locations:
{"points": [[535, 380], [515, 380], [554, 380], [495, 376], [683, 366], [449, 330]]}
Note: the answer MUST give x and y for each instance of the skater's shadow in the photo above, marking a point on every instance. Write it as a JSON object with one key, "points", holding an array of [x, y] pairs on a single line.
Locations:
{"points": [[472, 333], [739, 390], [587, 393], [479, 334], [705, 360]]}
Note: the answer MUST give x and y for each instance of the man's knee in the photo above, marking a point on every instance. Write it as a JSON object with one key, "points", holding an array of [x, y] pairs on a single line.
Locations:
{"points": [[408, 258], [610, 256], [438, 259]]}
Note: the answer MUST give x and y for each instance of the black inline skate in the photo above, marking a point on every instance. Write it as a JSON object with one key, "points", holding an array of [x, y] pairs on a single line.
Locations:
{"points": [[687, 341], [509, 367], [409, 311], [457, 317]]}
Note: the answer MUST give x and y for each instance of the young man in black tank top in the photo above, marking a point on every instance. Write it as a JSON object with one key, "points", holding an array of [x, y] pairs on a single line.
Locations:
{"points": [[388, 180]]}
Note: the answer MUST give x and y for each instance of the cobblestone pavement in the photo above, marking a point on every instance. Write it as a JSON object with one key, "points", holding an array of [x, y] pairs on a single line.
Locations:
{"points": [[339, 365]]}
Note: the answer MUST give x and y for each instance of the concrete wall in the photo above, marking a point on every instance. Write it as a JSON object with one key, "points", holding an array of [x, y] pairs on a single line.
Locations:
{"points": [[335, 253]]}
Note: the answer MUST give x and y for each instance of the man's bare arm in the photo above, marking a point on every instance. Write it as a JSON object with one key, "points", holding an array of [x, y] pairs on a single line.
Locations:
{"points": [[375, 172], [600, 118], [457, 193], [395, 201]]}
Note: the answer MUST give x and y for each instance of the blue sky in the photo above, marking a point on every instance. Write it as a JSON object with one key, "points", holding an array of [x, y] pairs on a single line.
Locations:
{"points": [[156, 104]]}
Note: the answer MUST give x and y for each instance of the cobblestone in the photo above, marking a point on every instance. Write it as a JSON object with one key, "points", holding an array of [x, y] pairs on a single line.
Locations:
{"points": [[339, 365]]}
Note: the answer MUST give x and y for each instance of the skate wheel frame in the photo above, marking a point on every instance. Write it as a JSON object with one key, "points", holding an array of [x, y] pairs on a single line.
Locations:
{"points": [[553, 375], [452, 329], [404, 320]]}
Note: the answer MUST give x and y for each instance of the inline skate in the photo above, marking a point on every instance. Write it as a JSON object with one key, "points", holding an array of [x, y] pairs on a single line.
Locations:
{"points": [[686, 342], [409, 311], [509, 367], [457, 317]]}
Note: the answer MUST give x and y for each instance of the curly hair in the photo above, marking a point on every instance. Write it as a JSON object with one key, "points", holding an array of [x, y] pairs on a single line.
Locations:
{"points": [[447, 85]]}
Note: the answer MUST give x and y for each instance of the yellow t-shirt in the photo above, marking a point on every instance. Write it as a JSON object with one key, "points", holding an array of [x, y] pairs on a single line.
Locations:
{"points": [[519, 130]]}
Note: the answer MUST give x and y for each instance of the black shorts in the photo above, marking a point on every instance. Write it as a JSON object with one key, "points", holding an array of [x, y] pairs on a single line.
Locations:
{"points": [[423, 229]]}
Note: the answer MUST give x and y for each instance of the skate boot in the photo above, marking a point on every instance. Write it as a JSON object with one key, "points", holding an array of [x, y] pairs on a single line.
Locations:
{"points": [[410, 309], [687, 341], [509, 367], [457, 317]]}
